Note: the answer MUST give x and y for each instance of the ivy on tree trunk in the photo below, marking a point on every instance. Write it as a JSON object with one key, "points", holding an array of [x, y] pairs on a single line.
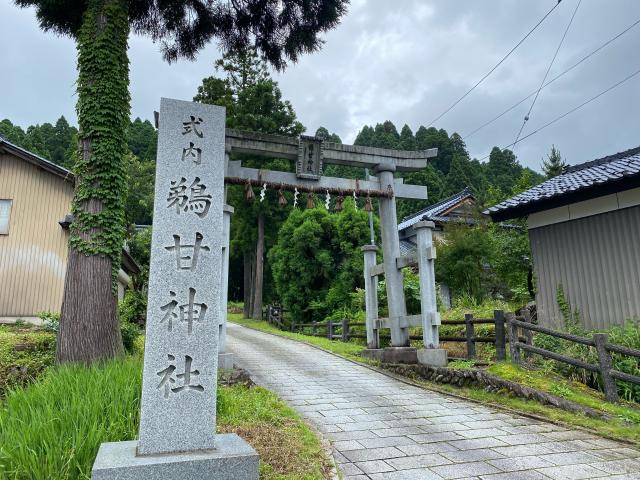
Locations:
{"points": [[89, 328]]}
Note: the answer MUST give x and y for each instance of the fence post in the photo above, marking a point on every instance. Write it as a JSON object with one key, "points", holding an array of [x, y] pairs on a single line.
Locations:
{"points": [[471, 344], [528, 334], [498, 317], [330, 330], [513, 339], [606, 365], [314, 328], [345, 330]]}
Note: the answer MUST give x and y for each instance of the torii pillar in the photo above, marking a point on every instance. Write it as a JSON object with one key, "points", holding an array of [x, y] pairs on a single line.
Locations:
{"points": [[391, 251]]}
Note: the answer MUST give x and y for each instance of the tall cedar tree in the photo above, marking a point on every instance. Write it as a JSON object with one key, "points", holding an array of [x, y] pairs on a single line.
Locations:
{"points": [[554, 165], [254, 102], [281, 30]]}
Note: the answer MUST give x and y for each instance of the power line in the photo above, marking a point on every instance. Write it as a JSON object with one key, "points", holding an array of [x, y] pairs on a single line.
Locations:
{"points": [[564, 35], [496, 65], [586, 57], [629, 77]]}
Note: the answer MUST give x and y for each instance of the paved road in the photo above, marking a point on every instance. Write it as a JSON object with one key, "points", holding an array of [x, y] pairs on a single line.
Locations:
{"points": [[381, 428]]}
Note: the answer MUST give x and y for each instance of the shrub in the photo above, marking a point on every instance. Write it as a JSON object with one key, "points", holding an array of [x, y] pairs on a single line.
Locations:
{"points": [[51, 320], [133, 307], [20, 367], [132, 311], [317, 261], [130, 332]]}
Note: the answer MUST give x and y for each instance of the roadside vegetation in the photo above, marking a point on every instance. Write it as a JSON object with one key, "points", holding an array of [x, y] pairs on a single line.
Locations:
{"points": [[54, 418]]}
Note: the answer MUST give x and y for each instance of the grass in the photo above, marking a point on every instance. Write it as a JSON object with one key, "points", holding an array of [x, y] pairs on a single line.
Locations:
{"points": [[626, 413], [52, 429], [624, 423], [350, 350]]}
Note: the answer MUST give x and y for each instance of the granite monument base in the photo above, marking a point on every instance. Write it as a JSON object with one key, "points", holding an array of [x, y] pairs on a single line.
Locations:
{"points": [[225, 361], [232, 459], [433, 357], [393, 354]]}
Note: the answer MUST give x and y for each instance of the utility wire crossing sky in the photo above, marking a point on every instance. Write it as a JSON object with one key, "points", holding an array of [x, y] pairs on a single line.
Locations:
{"points": [[407, 62]]}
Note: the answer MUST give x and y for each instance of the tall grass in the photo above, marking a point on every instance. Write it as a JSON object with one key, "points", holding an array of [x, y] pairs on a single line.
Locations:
{"points": [[53, 428]]}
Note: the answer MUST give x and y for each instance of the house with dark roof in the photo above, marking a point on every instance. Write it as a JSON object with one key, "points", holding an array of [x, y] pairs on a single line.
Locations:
{"points": [[584, 231], [35, 201], [456, 209]]}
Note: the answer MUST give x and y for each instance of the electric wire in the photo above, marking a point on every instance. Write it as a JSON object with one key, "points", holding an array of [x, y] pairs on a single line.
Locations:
{"points": [[496, 65], [544, 79], [583, 59], [560, 117]]}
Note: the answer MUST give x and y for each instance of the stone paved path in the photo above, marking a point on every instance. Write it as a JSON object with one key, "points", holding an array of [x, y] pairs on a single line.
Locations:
{"points": [[381, 428]]}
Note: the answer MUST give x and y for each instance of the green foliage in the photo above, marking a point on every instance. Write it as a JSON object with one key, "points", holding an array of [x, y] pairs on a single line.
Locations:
{"points": [[411, 293], [52, 430], [23, 366], [351, 349], [462, 364], [317, 260], [455, 169], [52, 142], [140, 249], [554, 165], [627, 335], [65, 417], [51, 320], [511, 260], [139, 203], [133, 307], [254, 102], [130, 332], [132, 311], [463, 260], [103, 115]]}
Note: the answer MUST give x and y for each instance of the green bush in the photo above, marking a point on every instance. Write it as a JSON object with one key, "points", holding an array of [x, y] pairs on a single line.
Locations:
{"points": [[51, 320], [132, 311], [130, 332], [627, 335], [317, 260], [464, 259], [19, 367]]}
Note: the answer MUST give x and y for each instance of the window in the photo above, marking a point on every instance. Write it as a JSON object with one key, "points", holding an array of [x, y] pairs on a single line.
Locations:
{"points": [[5, 212]]}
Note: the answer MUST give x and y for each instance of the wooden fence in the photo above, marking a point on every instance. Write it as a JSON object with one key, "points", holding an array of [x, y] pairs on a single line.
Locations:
{"points": [[599, 341], [343, 330], [517, 331]]}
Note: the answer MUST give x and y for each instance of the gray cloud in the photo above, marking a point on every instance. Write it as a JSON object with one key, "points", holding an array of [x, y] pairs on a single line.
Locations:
{"points": [[404, 61]]}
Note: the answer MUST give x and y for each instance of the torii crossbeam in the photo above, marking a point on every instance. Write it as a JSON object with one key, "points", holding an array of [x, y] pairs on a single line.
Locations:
{"points": [[310, 155]]}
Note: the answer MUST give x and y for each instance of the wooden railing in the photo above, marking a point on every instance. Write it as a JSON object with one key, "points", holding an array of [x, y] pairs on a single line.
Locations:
{"points": [[599, 341], [343, 330]]}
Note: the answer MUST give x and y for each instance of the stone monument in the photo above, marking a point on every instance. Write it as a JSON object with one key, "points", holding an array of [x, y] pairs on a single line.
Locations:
{"points": [[178, 437]]}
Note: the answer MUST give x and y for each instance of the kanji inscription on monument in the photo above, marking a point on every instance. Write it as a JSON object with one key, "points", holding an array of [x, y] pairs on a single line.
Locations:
{"points": [[178, 411]]}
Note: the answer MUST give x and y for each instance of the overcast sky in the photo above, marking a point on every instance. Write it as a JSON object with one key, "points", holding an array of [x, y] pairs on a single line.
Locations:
{"points": [[404, 61]]}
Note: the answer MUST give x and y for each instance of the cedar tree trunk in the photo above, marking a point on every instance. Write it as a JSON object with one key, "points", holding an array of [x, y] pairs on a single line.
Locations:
{"points": [[249, 277], [89, 327], [257, 299]]}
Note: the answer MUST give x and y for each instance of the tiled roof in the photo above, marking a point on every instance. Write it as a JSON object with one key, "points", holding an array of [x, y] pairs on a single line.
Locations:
{"points": [[407, 247], [575, 178], [434, 212]]}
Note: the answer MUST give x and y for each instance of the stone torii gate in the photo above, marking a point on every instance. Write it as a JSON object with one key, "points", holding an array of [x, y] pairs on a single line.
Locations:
{"points": [[310, 155]]}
